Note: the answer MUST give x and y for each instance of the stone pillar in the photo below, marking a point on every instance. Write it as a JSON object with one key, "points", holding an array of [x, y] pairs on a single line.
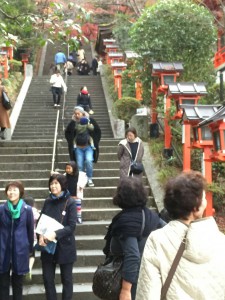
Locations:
{"points": [[140, 122]]}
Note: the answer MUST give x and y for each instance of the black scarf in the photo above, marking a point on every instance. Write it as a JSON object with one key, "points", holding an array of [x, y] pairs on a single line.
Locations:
{"points": [[128, 223]]}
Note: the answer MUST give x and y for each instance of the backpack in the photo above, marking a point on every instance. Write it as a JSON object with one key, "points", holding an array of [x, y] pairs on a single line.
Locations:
{"points": [[82, 139]]}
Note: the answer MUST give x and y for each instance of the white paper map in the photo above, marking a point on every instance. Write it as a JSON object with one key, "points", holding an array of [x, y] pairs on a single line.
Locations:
{"points": [[47, 224]]}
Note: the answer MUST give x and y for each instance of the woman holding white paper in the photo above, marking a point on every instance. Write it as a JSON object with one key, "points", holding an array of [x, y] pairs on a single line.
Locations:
{"points": [[61, 207]]}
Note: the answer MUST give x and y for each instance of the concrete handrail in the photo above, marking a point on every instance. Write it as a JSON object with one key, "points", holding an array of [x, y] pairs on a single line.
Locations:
{"points": [[20, 99]]}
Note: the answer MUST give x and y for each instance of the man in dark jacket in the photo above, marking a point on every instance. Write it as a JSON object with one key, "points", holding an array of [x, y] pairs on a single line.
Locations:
{"points": [[85, 155], [94, 65]]}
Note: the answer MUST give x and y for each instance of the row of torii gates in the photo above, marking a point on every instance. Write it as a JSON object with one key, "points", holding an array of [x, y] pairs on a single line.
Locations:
{"points": [[6, 54], [203, 126]]}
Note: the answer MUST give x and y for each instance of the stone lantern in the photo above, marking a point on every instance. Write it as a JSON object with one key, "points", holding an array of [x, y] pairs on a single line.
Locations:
{"points": [[193, 115]]}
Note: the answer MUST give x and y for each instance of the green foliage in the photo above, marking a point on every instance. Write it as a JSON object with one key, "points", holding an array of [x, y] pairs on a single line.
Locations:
{"points": [[110, 81], [24, 21], [213, 96], [167, 168], [121, 31], [15, 65], [125, 108], [177, 30], [128, 87]]}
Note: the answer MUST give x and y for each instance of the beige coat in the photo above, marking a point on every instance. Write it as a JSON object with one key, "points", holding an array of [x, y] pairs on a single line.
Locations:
{"points": [[200, 274], [4, 114], [124, 155]]}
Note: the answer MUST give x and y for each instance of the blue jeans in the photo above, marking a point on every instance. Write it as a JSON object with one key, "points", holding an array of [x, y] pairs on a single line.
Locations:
{"points": [[84, 159]]}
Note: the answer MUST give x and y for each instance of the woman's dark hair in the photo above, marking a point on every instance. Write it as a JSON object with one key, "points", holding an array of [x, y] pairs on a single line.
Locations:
{"points": [[74, 167], [183, 194], [131, 129], [61, 179], [17, 184], [130, 193]]}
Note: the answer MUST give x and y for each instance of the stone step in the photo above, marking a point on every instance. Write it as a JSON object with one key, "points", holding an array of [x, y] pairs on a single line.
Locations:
{"points": [[41, 182], [49, 143], [48, 150], [48, 157], [82, 291], [85, 258], [42, 192], [81, 275], [24, 174], [92, 202], [47, 165]]}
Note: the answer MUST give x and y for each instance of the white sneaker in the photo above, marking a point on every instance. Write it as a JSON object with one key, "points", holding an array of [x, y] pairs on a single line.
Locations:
{"points": [[58, 105], [90, 183], [55, 105]]}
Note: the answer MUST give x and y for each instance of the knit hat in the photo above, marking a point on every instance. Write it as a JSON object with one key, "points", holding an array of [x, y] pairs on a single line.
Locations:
{"points": [[80, 108], [83, 121]]}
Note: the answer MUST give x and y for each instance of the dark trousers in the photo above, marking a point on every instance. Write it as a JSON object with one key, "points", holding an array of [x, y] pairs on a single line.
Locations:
{"points": [[56, 92], [66, 271], [17, 286]]}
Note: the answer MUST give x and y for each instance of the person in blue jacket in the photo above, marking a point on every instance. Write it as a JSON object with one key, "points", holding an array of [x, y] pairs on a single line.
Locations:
{"points": [[60, 60], [16, 241]]}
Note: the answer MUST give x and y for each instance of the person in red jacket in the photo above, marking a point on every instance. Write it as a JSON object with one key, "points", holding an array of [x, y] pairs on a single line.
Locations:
{"points": [[84, 100]]}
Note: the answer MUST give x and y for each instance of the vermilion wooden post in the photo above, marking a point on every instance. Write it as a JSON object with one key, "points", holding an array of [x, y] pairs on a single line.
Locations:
{"points": [[207, 172], [25, 61], [154, 103], [138, 89], [167, 138], [118, 85], [186, 147]]}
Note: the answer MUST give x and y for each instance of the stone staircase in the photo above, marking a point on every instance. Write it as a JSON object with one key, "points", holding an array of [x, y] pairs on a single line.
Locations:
{"points": [[28, 157]]}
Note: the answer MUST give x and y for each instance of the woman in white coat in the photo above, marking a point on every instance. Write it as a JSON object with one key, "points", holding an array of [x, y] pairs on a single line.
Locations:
{"points": [[200, 274]]}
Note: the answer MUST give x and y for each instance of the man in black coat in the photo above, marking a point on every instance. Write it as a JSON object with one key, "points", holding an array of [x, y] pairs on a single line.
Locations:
{"points": [[94, 65], [84, 155]]}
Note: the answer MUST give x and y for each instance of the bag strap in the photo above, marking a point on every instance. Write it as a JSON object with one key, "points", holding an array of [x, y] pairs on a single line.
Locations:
{"points": [[173, 268], [64, 210], [143, 222]]}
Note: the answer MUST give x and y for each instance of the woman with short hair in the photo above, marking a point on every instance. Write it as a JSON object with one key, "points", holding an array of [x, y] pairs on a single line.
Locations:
{"points": [[129, 230], [60, 206], [16, 241], [200, 273]]}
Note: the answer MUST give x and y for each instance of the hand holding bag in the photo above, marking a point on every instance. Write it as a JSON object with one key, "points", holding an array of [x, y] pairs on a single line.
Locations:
{"points": [[49, 248], [5, 101]]}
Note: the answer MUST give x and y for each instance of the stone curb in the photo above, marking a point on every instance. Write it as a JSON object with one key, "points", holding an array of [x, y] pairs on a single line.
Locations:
{"points": [[151, 173]]}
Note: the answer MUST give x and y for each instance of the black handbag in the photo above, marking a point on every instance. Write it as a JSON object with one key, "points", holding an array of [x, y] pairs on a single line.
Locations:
{"points": [[136, 167], [5, 101], [107, 280]]}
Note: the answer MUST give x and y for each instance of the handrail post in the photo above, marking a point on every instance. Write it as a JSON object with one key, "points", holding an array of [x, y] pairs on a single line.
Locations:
{"points": [[55, 140]]}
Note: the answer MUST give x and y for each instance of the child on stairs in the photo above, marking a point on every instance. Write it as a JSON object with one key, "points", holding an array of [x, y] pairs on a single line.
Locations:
{"points": [[77, 180]]}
